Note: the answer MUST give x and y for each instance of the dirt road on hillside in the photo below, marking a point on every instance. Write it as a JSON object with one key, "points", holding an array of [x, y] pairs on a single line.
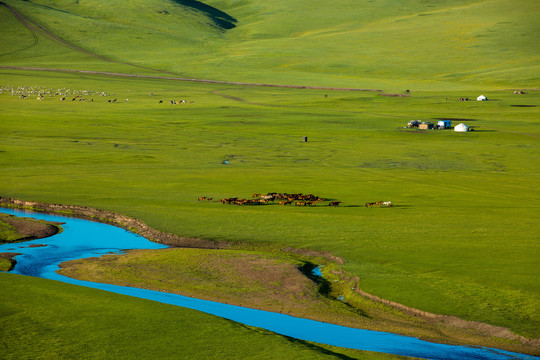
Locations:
{"points": [[186, 79], [36, 28]]}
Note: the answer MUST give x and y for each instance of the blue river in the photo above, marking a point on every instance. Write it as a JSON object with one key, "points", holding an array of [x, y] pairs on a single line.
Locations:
{"points": [[82, 239]]}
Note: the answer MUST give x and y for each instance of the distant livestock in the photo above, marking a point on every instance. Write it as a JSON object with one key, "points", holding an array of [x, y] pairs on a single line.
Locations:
{"points": [[270, 198], [379, 204]]}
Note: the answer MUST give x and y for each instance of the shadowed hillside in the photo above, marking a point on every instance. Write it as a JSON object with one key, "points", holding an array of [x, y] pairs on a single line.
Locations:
{"points": [[221, 19]]}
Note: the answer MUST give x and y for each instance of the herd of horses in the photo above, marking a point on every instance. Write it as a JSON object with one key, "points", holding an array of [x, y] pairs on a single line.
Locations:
{"points": [[273, 198], [287, 199]]}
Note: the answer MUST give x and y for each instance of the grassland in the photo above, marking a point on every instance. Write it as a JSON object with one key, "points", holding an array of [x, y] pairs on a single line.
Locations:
{"points": [[51, 320], [463, 236], [444, 248]]}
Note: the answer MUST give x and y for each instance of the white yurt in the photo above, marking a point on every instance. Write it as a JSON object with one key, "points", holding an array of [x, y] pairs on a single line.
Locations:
{"points": [[461, 128], [481, 98]]}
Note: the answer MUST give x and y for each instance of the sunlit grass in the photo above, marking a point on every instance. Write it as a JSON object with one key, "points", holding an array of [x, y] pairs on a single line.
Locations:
{"points": [[460, 237], [48, 319]]}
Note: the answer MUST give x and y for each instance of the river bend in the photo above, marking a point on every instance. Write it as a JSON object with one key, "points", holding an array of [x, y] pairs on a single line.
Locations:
{"points": [[83, 238]]}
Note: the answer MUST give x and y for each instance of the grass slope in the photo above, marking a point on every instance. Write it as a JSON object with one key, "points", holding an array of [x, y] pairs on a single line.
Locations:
{"points": [[44, 319], [462, 239], [416, 45]]}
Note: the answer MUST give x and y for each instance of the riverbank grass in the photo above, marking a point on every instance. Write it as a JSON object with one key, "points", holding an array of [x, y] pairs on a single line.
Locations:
{"points": [[77, 322], [7, 232], [16, 229], [5, 264], [273, 280]]}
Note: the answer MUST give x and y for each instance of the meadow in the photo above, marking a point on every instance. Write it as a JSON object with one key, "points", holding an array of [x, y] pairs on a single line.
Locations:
{"points": [[462, 237], [458, 241], [38, 323]]}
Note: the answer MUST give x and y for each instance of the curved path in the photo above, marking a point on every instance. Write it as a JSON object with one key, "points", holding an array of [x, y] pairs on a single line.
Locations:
{"points": [[186, 79], [36, 28], [82, 238]]}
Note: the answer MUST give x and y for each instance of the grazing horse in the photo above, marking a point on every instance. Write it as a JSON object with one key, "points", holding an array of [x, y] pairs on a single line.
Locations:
{"points": [[201, 198], [334, 203]]}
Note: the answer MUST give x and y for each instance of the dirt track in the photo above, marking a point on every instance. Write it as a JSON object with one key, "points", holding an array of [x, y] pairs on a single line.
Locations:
{"points": [[35, 28], [187, 79]]}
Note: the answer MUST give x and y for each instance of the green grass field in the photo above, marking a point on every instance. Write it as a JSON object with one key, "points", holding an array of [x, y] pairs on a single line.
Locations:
{"points": [[45, 319], [462, 238]]}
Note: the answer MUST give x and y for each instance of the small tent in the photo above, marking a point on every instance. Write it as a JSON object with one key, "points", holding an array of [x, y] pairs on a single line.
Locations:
{"points": [[461, 128], [481, 98]]}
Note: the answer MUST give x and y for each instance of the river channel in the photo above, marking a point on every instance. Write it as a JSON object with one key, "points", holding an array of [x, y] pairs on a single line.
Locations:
{"points": [[82, 239]]}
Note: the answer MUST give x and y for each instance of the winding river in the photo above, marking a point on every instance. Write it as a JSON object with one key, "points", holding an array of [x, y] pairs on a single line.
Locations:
{"points": [[82, 238]]}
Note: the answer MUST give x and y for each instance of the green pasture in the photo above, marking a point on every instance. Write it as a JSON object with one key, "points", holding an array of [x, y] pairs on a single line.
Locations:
{"points": [[43, 319], [461, 239], [425, 45]]}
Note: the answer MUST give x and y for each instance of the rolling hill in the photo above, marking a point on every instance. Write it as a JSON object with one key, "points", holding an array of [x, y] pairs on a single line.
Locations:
{"points": [[417, 44]]}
